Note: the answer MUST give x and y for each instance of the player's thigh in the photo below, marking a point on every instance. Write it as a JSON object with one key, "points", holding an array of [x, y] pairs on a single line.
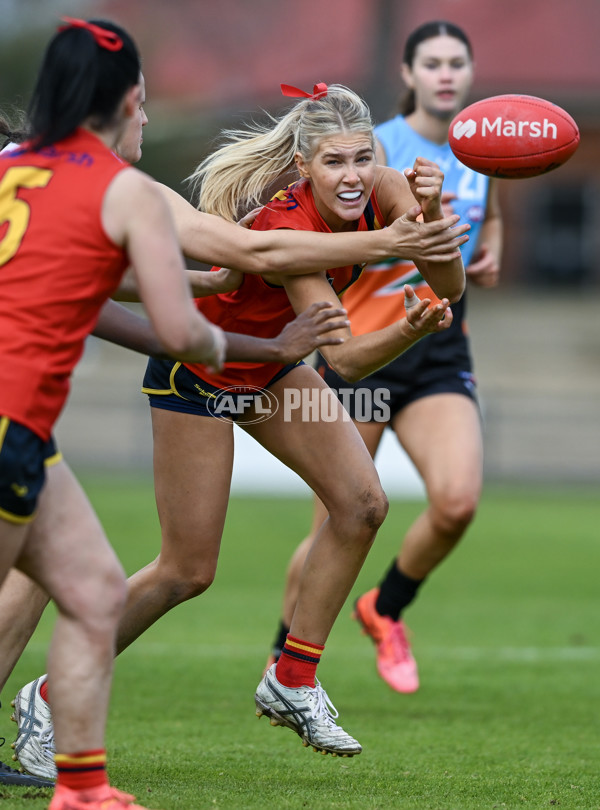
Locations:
{"points": [[12, 539], [193, 460], [442, 435], [321, 445], [67, 552], [371, 433]]}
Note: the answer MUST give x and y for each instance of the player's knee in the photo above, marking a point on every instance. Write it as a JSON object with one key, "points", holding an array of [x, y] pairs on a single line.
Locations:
{"points": [[179, 578], [198, 582], [363, 514], [98, 602], [192, 583], [115, 593], [374, 507], [454, 511]]}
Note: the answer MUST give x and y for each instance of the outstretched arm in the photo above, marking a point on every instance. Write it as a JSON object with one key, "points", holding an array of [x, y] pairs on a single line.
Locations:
{"points": [[202, 284], [360, 355], [121, 326], [309, 331], [213, 240]]}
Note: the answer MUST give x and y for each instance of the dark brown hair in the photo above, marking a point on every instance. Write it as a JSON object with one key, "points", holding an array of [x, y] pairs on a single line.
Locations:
{"points": [[429, 30]]}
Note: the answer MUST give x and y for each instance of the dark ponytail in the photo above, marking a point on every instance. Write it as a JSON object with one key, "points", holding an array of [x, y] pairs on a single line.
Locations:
{"points": [[429, 30], [80, 79]]}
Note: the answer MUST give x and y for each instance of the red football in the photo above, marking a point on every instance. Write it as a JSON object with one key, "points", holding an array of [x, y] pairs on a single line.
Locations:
{"points": [[513, 136]]}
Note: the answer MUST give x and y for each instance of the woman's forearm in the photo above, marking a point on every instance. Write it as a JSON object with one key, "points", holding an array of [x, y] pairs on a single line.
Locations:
{"points": [[224, 244], [446, 279], [120, 325], [361, 355], [213, 240]]}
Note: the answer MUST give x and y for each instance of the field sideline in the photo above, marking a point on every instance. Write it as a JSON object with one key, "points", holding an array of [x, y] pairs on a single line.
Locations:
{"points": [[506, 633]]}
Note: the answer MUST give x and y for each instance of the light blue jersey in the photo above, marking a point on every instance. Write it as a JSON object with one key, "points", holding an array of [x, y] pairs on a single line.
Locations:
{"points": [[402, 145]]}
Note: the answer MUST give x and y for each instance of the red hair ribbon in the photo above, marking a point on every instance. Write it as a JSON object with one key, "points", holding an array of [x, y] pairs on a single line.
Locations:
{"points": [[319, 91], [105, 39]]}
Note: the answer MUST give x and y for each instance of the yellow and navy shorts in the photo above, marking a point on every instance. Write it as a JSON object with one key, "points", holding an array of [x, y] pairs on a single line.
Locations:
{"points": [[24, 457], [173, 387]]}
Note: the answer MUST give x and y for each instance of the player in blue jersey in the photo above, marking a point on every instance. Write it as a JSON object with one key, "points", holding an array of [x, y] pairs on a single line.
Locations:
{"points": [[431, 401]]}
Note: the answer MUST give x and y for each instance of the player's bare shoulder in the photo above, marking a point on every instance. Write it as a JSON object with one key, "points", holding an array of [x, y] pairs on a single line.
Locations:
{"points": [[131, 195], [123, 191]]}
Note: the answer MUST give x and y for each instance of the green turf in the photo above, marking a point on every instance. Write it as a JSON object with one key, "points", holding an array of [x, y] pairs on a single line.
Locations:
{"points": [[506, 633]]}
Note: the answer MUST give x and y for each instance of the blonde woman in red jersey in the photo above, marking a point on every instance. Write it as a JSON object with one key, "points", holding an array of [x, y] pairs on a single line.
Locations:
{"points": [[431, 390], [328, 137]]}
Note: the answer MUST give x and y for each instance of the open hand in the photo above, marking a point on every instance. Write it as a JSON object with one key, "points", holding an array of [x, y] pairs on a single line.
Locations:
{"points": [[437, 241], [422, 318], [310, 330]]}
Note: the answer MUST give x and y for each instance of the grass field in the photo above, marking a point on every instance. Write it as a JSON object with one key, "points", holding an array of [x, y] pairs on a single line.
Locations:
{"points": [[506, 633]]}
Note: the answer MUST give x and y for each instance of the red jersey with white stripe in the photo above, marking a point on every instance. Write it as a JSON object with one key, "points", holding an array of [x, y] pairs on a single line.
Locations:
{"points": [[57, 269], [262, 309]]}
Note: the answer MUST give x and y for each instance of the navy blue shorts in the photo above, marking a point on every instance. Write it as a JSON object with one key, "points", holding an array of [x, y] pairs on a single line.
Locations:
{"points": [[24, 457], [396, 393], [173, 387]]}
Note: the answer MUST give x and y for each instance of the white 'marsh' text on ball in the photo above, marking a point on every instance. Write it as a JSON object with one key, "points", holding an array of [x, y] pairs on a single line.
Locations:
{"points": [[536, 129]]}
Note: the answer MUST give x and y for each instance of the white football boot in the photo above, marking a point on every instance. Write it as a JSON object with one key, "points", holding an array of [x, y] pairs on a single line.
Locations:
{"points": [[307, 711], [34, 746]]}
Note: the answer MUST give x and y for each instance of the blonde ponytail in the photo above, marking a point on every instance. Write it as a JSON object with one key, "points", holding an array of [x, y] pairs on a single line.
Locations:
{"points": [[234, 178]]}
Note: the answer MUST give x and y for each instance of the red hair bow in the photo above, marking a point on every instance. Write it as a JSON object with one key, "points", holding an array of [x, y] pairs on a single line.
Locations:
{"points": [[105, 39], [319, 91]]}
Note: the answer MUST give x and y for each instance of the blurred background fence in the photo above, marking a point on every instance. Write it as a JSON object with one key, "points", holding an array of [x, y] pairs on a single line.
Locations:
{"points": [[536, 339]]}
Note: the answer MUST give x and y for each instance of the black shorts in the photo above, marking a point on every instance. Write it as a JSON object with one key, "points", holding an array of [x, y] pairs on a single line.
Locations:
{"points": [[24, 457], [173, 387], [379, 397]]}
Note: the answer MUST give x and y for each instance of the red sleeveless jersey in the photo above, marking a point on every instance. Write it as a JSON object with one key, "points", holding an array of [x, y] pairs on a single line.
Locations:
{"points": [[262, 309], [57, 268]]}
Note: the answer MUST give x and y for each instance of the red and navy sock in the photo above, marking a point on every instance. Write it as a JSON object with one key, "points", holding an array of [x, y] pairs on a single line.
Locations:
{"points": [[297, 664], [82, 770]]}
